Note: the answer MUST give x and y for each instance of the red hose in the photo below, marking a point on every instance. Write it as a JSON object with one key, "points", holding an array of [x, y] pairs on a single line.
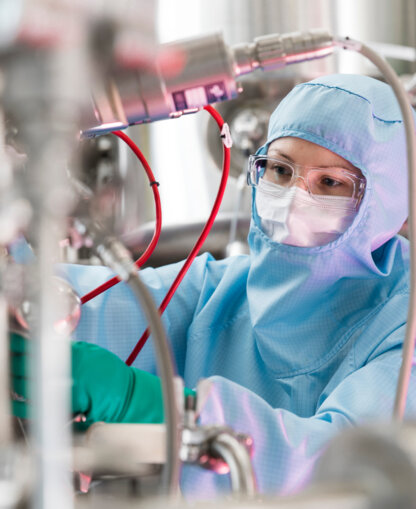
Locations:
{"points": [[226, 167], [150, 248]]}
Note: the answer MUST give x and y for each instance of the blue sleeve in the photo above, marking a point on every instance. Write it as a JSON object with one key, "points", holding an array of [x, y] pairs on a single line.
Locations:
{"points": [[114, 320], [286, 446]]}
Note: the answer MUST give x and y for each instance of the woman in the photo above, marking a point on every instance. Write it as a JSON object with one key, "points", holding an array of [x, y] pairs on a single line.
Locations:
{"points": [[302, 337]]}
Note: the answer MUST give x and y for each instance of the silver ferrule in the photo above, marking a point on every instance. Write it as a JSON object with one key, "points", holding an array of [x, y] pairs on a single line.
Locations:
{"points": [[278, 50], [115, 256]]}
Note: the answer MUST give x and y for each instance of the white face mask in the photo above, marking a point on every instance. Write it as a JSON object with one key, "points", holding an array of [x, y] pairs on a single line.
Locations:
{"points": [[291, 216]]}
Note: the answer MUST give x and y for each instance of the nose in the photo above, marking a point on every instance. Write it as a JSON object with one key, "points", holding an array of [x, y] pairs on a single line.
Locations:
{"points": [[301, 182]]}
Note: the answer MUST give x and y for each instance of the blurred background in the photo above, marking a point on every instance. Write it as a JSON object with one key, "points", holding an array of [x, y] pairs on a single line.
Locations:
{"points": [[186, 154]]}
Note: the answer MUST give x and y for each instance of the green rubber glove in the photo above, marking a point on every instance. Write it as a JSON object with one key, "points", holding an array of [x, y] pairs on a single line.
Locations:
{"points": [[104, 388]]}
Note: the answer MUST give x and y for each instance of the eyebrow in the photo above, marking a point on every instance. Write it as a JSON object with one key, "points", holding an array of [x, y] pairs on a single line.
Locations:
{"points": [[282, 154]]}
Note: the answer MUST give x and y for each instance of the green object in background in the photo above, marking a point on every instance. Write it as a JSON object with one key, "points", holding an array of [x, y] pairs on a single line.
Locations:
{"points": [[104, 388]]}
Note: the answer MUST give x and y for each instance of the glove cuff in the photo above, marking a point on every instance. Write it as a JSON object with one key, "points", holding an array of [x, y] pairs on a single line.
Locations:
{"points": [[144, 399]]}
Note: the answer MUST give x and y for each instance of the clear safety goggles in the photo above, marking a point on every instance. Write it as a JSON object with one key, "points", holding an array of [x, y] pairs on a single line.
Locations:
{"points": [[320, 182]]}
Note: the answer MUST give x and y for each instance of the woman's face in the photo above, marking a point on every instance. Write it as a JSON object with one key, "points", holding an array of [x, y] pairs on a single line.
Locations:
{"points": [[335, 177]]}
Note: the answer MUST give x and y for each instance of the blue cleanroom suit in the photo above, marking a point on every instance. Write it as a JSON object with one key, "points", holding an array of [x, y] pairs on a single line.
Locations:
{"points": [[298, 342]]}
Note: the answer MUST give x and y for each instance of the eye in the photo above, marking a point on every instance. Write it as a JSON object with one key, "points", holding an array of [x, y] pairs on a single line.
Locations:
{"points": [[330, 182], [279, 170], [282, 170]]}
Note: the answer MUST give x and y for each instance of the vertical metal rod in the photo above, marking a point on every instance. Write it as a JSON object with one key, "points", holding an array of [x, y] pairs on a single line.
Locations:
{"points": [[5, 413], [50, 137], [51, 370]]}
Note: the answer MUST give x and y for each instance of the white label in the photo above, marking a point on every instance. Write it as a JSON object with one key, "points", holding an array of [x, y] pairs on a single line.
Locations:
{"points": [[196, 97]]}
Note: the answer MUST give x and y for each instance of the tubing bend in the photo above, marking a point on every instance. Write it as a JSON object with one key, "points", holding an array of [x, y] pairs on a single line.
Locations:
{"points": [[118, 258], [243, 480], [409, 125], [406, 110], [170, 474]]}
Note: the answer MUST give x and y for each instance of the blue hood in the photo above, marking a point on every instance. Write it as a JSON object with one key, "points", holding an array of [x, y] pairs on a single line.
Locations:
{"points": [[311, 298]]}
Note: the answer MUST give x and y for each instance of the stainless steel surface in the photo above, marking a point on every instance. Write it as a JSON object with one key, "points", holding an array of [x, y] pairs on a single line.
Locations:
{"points": [[369, 21], [242, 20], [227, 447], [51, 353], [192, 73], [188, 75], [274, 51], [38, 23], [177, 240], [43, 90], [379, 458], [337, 496], [248, 118], [46, 85], [5, 409], [137, 443], [220, 449]]}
